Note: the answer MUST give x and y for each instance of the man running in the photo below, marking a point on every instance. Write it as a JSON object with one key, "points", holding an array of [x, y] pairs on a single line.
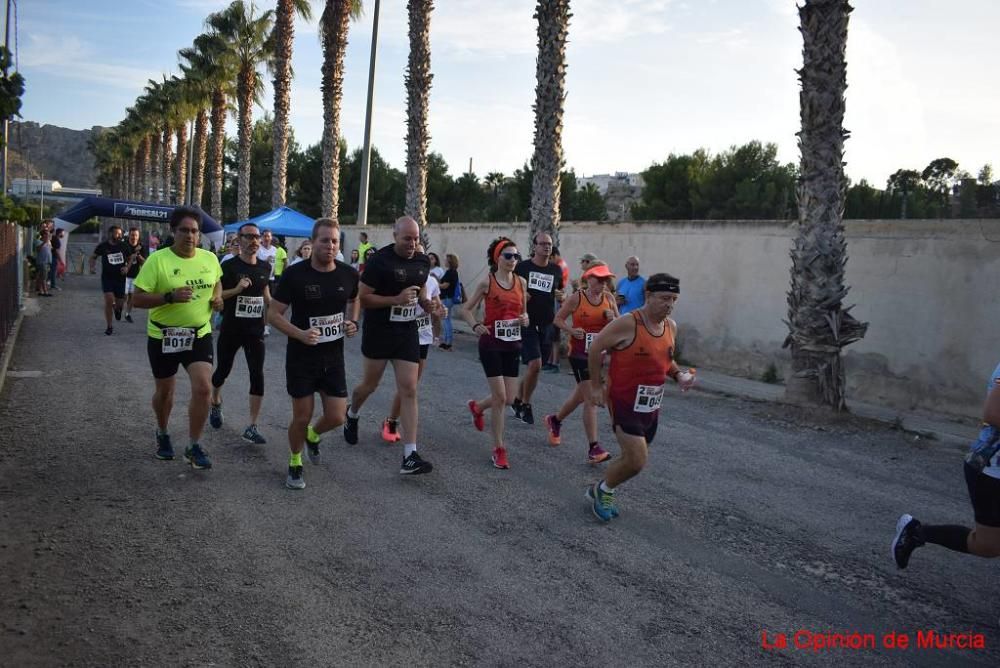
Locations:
{"points": [[268, 253], [982, 478], [246, 294], [641, 345], [136, 257], [322, 294], [393, 285], [545, 286], [180, 285], [113, 253]]}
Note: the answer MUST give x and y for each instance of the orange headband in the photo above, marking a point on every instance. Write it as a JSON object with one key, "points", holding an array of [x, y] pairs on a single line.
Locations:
{"points": [[499, 249]]}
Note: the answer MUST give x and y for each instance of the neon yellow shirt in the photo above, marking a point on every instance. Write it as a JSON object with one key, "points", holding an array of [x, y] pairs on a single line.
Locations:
{"points": [[280, 260], [164, 271]]}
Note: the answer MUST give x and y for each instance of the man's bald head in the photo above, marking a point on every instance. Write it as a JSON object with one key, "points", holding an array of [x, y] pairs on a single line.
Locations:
{"points": [[632, 266], [406, 234]]}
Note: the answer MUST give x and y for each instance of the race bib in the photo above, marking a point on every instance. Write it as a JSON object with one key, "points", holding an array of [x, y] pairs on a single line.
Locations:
{"points": [[507, 330], [424, 324], [331, 327], [405, 313], [540, 282], [249, 307], [587, 340], [177, 339], [116, 258], [647, 398]]}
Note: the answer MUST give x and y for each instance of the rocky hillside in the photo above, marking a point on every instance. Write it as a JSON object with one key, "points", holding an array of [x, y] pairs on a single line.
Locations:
{"points": [[52, 152]]}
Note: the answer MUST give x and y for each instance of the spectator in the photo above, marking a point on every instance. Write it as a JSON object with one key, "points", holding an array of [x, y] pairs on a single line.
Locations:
{"points": [[437, 271], [364, 247], [43, 261], [304, 252], [631, 289], [58, 269], [449, 283], [355, 260]]}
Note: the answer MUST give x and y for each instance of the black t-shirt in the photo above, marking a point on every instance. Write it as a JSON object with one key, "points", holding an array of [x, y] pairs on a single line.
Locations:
{"points": [[132, 250], [542, 285], [244, 312], [317, 299], [388, 274], [113, 257], [451, 278]]}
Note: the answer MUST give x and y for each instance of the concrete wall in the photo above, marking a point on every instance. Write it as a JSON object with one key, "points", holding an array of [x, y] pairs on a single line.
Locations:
{"points": [[927, 288]]}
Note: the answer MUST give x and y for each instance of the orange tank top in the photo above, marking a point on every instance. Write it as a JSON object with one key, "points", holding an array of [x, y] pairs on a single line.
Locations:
{"points": [[503, 305], [589, 318], [642, 366]]}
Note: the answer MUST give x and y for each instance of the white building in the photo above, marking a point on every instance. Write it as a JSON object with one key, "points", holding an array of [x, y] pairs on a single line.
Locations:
{"points": [[602, 181], [24, 188]]}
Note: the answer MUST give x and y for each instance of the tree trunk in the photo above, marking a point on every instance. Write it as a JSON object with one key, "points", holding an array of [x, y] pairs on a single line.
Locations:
{"points": [[550, 94], [218, 146], [144, 193], [284, 33], [200, 151], [335, 21], [168, 164], [418, 88], [182, 164], [244, 101], [819, 326], [157, 164]]}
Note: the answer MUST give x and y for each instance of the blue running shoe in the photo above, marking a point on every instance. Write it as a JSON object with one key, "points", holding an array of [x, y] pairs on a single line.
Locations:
{"points": [[164, 448], [215, 416], [251, 435], [602, 503], [197, 458]]}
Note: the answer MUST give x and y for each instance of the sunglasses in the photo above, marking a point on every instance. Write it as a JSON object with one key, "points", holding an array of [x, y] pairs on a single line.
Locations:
{"points": [[187, 230], [250, 236], [510, 256]]}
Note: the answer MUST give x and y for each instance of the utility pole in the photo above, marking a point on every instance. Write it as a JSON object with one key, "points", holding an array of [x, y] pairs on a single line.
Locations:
{"points": [[190, 166], [6, 120], [366, 159]]}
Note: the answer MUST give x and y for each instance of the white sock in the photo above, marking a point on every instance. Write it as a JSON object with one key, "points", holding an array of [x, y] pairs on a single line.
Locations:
{"points": [[351, 413], [605, 488], [409, 449]]}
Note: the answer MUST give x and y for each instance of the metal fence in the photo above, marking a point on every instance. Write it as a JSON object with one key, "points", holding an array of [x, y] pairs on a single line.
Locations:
{"points": [[11, 279]]}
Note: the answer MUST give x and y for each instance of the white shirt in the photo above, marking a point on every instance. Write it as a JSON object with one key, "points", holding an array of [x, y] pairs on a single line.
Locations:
{"points": [[433, 292], [268, 255]]}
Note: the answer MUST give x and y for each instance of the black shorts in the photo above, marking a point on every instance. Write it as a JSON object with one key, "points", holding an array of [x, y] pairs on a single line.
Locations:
{"points": [[536, 342], [164, 365], [382, 343], [499, 362], [304, 378], [581, 368], [984, 492], [424, 349], [115, 284]]}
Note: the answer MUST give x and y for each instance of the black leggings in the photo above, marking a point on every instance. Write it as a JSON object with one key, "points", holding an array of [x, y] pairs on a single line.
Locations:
{"points": [[253, 349]]}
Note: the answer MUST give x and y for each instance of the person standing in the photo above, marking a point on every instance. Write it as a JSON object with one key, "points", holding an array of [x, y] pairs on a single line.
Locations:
{"points": [[43, 263], [545, 286], [631, 293], [303, 253], [641, 346], [136, 258], [61, 247], [112, 252], [180, 285], [449, 293], [364, 247], [393, 285], [245, 294], [322, 293]]}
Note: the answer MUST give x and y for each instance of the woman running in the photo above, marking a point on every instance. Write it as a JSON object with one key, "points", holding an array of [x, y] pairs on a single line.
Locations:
{"points": [[506, 304], [591, 308]]}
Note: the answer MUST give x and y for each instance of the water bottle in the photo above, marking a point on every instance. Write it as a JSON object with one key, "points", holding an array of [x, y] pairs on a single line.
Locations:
{"points": [[984, 449]]}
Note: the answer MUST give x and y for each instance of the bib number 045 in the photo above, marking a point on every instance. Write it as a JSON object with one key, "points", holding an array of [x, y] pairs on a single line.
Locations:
{"points": [[647, 398]]}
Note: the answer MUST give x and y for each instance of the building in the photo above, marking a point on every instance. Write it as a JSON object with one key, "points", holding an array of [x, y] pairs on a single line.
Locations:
{"points": [[603, 181], [37, 188]]}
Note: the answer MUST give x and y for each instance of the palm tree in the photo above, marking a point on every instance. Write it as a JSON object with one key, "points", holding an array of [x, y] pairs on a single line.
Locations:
{"points": [[284, 33], [418, 88], [819, 326], [333, 28], [550, 93], [246, 34]]}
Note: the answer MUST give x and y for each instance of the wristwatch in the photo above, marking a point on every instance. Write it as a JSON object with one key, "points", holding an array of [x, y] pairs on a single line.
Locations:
{"points": [[168, 297]]}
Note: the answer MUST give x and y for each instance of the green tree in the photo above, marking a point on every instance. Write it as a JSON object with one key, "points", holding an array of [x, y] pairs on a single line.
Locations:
{"points": [[939, 176], [11, 89], [588, 204]]}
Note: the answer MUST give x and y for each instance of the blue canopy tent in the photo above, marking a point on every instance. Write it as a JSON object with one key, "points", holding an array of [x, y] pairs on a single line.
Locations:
{"points": [[284, 221], [89, 207]]}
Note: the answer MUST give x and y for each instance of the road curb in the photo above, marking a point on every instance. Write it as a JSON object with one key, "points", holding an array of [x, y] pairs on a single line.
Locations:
{"points": [[8, 349]]}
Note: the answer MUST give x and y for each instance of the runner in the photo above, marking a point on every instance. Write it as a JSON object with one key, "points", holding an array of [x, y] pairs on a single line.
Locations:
{"points": [[551, 365], [112, 252], [393, 285], [180, 284], [245, 293], [982, 479], [390, 428], [136, 257], [505, 316], [268, 253], [545, 286], [322, 293], [641, 345], [591, 308]]}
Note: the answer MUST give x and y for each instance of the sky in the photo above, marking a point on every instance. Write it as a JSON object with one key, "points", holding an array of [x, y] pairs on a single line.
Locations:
{"points": [[646, 78]]}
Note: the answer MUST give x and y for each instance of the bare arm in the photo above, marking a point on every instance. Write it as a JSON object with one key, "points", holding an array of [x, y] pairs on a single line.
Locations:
{"points": [[991, 411], [276, 316], [468, 309], [617, 334], [368, 298], [564, 312]]}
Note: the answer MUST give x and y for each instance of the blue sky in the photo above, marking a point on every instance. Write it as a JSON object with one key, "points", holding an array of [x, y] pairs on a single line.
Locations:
{"points": [[645, 78]]}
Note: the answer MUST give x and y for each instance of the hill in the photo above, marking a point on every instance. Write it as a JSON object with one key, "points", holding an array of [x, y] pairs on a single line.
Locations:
{"points": [[52, 152]]}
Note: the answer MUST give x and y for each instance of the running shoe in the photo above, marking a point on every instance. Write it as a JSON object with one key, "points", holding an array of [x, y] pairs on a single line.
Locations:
{"points": [[128, 317], [351, 430], [500, 458], [907, 539], [197, 458], [109, 331], [477, 415], [414, 465], [554, 426], [118, 314], [515, 408], [251, 435], [526, 415], [294, 479], [267, 330], [390, 431], [312, 445], [597, 454], [602, 503], [164, 448], [550, 368], [215, 416]]}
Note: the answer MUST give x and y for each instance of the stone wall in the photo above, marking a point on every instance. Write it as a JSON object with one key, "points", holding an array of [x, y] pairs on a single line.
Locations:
{"points": [[927, 288]]}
